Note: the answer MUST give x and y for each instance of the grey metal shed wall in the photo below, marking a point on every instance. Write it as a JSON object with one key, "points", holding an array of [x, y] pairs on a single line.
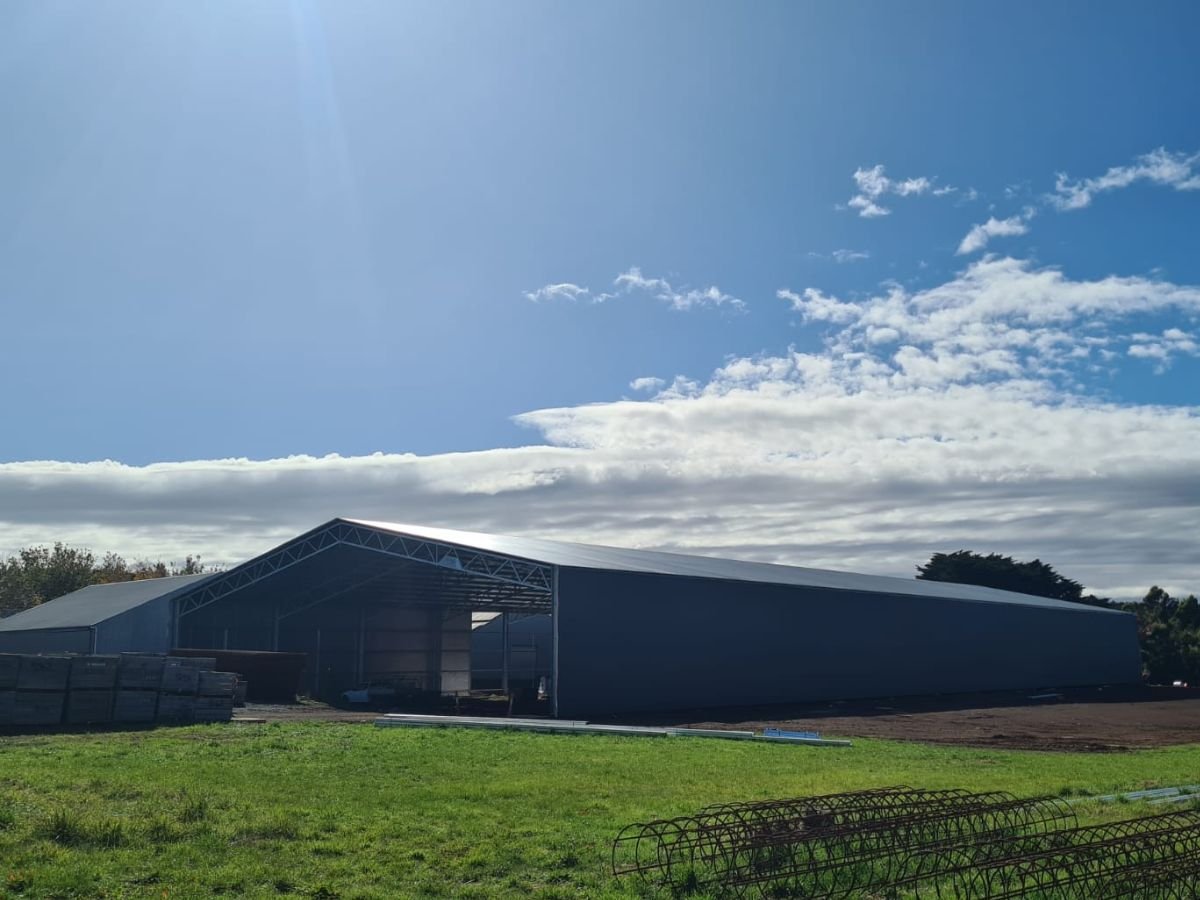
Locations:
{"points": [[630, 641], [47, 640], [145, 628]]}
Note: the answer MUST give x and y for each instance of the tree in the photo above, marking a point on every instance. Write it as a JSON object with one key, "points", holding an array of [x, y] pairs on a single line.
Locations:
{"points": [[191, 566], [159, 569], [38, 574], [1005, 573], [112, 568], [1169, 634]]}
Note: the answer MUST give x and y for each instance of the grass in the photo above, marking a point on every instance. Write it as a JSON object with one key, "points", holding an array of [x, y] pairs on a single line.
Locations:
{"points": [[349, 811]]}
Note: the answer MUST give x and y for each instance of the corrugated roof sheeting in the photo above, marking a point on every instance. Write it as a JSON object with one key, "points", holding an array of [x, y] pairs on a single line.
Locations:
{"points": [[92, 605], [592, 556]]}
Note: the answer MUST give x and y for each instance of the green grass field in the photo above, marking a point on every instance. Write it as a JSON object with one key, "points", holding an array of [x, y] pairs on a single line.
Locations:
{"points": [[324, 810]]}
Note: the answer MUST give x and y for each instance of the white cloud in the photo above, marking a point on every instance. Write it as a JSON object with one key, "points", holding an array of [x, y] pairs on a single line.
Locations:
{"points": [[841, 256], [814, 305], [931, 420], [632, 281], [1163, 347], [647, 383], [1180, 171], [979, 236], [849, 256], [911, 186], [564, 291], [872, 181], [999, 315], [681, 299], [868, 208], [873, 184]]}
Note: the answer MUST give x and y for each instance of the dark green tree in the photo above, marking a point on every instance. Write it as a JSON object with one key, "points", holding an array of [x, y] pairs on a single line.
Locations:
{"points": [[1169, 634], [1007, 574]]}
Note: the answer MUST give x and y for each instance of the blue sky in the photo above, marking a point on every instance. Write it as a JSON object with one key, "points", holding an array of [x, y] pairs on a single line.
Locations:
{"points": [[291, 229]]}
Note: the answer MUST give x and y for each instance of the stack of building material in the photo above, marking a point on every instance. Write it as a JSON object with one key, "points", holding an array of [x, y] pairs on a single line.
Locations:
{"points": [[214, 700], [270, 676], [92, 683], [10, 665], [96, 690], [192, 692], [41, 690], [177, 691], [138, 680]]}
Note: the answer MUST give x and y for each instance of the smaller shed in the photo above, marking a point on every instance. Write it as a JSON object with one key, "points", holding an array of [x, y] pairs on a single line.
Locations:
{"points": [[102, 618]]}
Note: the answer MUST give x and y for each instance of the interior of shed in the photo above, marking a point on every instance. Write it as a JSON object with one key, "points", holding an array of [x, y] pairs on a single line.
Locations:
{"points": [[369, 608]]}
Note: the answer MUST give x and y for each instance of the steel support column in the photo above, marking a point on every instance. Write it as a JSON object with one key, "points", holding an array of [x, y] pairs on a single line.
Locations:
{"points": [[504, 652], [554, 606]]}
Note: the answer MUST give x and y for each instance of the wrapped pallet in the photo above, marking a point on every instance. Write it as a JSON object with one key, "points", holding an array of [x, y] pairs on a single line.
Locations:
{"points": [[179, 677], [38, 707], [93, 673], [10, 665], [44, 673], [213, 709], [176, 707], [217, 684], [89, 707], [132, 706], [138, 671]]}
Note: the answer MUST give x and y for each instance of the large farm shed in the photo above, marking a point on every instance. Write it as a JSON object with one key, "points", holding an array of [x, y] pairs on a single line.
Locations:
{"points": [[631, 629]]}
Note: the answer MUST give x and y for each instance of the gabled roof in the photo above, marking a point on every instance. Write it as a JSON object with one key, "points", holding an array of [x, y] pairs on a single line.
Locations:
{"points": [[92, 605], [617, 559]]}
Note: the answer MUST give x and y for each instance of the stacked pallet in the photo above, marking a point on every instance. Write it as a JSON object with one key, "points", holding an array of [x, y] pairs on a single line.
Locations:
{"points": [[177, 693], [96, 690], [92, 683], [214, 696], [9, 667], [138, 679], [41, 690]]}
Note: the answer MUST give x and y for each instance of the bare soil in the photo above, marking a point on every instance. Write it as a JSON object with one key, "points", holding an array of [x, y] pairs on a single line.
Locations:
{"points": [[1076, 719]]}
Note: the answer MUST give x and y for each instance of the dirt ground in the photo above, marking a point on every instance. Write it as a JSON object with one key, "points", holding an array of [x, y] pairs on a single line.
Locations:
{"points": [[1088, 719]]}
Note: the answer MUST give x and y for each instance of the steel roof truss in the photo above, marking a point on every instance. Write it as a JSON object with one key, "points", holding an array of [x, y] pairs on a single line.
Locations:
{"points": [[521, 577]]}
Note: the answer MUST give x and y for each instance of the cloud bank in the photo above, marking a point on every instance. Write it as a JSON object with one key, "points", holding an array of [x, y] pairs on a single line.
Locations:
{"points": [[931, 420]]}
